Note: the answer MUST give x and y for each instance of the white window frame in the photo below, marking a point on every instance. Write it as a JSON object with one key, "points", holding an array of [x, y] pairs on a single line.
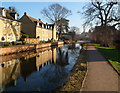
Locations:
{"points": [[5, 25]]}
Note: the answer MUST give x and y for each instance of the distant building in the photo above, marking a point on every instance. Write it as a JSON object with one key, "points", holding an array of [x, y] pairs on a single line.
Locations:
{"points": [[105, 35], [85, 35], [37, 29], [10, 27]]}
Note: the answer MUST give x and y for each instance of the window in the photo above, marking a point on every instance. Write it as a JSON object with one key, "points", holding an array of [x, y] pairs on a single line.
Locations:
{"points": [[5, 25], [3, 38], [10, 27], [17, 60], [4, 12], [37, 24], [16, 28], [17, 38]]}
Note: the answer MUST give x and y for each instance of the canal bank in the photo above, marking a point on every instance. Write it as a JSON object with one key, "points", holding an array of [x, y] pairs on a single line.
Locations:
{"points": [[22, 48], [78, 73]]}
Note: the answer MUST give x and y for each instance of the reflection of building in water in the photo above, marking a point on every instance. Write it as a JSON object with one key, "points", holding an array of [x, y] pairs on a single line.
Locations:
{"points": [[9, 71], [44, 58], [54, 54]]}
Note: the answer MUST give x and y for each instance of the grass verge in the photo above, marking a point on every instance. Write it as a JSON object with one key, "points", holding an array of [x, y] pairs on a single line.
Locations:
{"points": [[111, 54]]}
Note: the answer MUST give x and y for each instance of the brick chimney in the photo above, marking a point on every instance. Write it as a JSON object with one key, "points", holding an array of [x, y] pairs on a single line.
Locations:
{"points": [[25, 13], [40, 20]]}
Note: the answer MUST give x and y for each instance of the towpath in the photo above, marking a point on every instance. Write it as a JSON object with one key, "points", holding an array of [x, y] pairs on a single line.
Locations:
{"points": [[100, 75]]}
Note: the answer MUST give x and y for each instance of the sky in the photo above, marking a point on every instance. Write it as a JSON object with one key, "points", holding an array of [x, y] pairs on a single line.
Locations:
{"points": [[34, 10]]}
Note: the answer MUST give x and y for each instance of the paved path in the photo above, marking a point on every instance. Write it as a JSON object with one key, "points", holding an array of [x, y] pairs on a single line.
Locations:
{"points": [[100, 76]]}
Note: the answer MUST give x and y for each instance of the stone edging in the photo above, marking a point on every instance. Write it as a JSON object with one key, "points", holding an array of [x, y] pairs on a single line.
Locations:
{"points": [[83, 82]]}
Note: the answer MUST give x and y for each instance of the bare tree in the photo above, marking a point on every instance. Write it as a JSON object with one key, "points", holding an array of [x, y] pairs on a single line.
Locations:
{"points": [[73, 31], [101, 13], [55, 13]]}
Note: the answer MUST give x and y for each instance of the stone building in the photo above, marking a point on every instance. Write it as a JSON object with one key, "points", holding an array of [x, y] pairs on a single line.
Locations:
{"points": [[104, 35], [10, 27], [37, 29]]}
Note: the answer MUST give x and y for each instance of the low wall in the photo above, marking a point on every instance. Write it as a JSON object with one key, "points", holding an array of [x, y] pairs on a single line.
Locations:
{"points": [[16, 49], [43, 45], [21, 48]]}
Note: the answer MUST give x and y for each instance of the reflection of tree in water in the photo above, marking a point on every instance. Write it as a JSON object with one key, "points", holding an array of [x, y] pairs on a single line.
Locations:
{"points": [[58, 71], [72, 49], [27, 67], [62, 57]]}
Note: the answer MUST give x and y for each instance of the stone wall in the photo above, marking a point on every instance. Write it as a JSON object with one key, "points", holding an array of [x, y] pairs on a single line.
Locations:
{"points": [[43, 45], [21, 48], [15, 49]]}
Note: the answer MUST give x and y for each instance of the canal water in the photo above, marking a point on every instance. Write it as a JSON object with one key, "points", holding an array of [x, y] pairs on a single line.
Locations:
{"points": [[42, 70]]}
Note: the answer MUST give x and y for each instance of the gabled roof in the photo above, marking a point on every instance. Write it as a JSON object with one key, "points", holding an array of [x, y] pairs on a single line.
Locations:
{"points": [[33, 19]]}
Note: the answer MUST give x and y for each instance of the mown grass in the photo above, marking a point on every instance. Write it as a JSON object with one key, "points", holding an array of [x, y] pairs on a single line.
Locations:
{"points": [[111, 54]]}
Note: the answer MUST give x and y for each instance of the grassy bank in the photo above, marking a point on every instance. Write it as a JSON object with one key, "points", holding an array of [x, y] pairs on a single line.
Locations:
{"points": [[77, 74], [111, 54]]}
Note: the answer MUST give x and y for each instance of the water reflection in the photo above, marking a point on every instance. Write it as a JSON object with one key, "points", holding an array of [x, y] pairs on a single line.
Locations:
{"points": [[41, 70]]}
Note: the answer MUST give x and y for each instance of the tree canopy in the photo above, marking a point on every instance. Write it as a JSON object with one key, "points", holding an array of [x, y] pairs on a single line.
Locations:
{"points": [[63, 25], [101, 13]]}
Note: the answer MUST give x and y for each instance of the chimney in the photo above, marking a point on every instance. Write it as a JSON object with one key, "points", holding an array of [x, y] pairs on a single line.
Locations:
{"points": [[3, 12], [25, 13], [40, 20]]}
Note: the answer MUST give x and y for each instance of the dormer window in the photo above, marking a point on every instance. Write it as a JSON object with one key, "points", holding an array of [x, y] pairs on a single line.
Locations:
{"points": [[37, 24], [44, 26], [4, 12], [40, 25], [16, 16]]}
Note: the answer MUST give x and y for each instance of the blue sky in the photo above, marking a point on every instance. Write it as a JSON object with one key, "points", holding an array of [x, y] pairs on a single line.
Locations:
{"points": [[34, 10]]}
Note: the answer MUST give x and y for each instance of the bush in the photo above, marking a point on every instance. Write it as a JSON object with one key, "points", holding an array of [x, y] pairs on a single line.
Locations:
{"points": [[6, 43], [117, 42], [24, 36]]}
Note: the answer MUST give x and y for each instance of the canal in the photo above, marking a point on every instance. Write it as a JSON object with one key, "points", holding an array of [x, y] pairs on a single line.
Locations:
{"points": [[41, 70]]}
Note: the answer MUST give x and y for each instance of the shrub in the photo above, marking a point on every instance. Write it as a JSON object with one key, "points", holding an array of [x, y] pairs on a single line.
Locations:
{"points": [[24, 36]]}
